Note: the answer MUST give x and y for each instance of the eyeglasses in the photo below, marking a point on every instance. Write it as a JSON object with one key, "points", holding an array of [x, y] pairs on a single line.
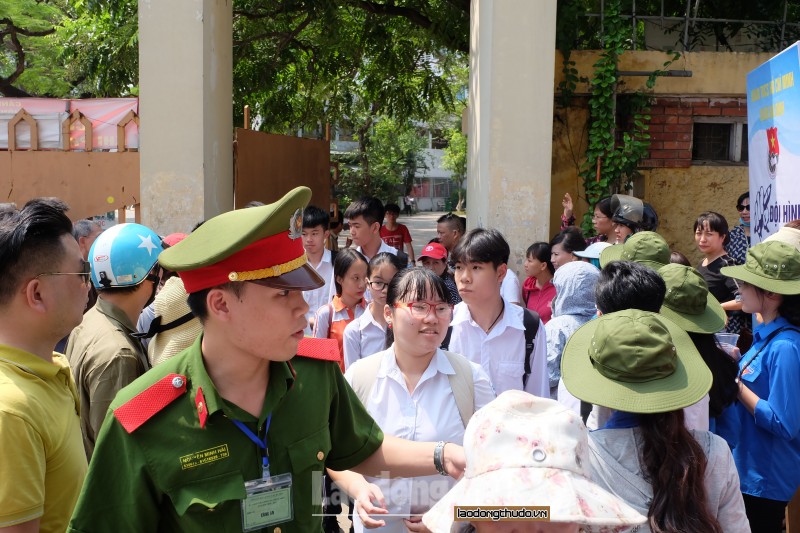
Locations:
{"points": [[85, 275], [377, 285], [422, 309], [741, 208]]}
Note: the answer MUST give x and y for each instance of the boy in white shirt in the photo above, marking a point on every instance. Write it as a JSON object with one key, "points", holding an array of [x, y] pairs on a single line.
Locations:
{"points": [[315, 234], [366, 217], [489, 330]]}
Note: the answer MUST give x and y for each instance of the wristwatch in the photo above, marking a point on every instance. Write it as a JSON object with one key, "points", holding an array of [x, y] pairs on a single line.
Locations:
{"points": [[438, 457]]}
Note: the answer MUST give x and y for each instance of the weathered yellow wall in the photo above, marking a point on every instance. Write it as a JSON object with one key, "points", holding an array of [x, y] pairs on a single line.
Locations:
{"points": [[712, 72], [678, 195], [569, 145]]}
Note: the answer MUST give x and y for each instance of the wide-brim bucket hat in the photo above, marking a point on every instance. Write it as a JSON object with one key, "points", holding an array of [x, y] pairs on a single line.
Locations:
{"points": [[173, 335], [522, 450], [646, 247], [688, 302], [773, 266], [634, 361]]}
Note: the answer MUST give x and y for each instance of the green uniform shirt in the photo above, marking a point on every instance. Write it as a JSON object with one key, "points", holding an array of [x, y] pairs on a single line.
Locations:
{"points": [[104, 359], [172, 475]]}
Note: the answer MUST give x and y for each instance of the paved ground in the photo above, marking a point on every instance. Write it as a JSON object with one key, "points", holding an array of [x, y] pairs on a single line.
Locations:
{"points": [[422, 227]]}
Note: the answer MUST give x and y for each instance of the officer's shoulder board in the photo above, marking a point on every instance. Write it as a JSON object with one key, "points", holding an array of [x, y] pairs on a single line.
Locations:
{"points": [[322, 349], [142, 407]]}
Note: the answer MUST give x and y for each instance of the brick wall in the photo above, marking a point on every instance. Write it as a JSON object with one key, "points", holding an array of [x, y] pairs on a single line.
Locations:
{"points": [[671, 122]]}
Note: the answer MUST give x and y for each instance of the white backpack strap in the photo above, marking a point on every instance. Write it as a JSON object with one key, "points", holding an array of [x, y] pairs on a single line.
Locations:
{"points": [[363, 374], [463, 385]]}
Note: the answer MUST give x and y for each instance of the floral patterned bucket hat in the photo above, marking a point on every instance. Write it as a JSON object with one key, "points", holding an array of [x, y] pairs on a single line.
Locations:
{"points": [[523, 450]]}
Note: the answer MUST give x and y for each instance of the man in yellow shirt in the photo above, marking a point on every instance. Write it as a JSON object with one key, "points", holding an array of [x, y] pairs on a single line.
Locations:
{"points": [[43, 291]]}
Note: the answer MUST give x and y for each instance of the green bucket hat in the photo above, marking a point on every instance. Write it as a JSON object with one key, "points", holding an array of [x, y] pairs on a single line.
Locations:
{"points": [[634, 361], [646, 247], [773, 266], [688, 302]]}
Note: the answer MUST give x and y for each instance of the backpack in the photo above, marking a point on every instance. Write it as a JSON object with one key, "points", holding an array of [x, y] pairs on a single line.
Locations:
{"points": [[530, 320], [364, 373]]}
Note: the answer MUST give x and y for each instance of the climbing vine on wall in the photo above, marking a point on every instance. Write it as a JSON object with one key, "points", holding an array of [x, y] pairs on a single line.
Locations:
{"points": [[616, 144]]}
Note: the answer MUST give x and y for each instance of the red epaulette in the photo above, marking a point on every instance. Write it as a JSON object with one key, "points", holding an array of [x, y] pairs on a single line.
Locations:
{"points": [[322, 349], [150, 401]]}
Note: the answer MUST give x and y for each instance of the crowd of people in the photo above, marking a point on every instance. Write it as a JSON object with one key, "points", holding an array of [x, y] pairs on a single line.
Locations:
{"points": [[253, 374]]}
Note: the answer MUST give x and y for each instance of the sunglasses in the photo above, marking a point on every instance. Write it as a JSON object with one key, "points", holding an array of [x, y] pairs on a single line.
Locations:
{"points": [[85, 274], [741, 208]]}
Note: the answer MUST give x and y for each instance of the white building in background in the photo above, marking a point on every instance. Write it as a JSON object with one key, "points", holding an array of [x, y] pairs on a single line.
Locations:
{"points": [[433, 186]]}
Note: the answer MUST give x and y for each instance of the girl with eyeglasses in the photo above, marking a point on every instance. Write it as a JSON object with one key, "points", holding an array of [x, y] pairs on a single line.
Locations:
{"points": [[366, 335], [416, 391], [740, 234]]}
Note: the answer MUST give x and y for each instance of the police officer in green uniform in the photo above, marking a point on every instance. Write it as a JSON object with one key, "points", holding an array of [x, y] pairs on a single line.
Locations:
{"points": [[233, 434]]}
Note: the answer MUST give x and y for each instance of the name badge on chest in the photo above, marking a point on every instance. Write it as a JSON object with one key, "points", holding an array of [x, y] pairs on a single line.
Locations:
{"points": [[268, 502]]}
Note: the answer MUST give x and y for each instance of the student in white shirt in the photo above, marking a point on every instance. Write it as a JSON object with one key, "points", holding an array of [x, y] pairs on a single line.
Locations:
{"points": [[487, 329], [315, 234], [366, 216], [366, 335], [410, 391]]}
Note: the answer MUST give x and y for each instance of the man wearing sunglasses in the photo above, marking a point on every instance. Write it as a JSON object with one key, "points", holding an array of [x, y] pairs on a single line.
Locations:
{"points": [[103, 354], [43, 288]]}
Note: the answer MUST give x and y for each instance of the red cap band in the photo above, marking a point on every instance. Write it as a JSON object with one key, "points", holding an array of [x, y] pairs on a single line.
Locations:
{"points": [[272, 251]]}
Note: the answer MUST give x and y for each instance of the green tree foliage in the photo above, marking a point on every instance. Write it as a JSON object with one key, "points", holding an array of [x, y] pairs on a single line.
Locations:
{"points": [[29, 64], [455, 160], [394, 154]]}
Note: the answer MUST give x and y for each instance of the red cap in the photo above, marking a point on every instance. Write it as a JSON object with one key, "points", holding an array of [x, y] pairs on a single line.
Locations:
{"points": [[173, 238], [435, 251]]}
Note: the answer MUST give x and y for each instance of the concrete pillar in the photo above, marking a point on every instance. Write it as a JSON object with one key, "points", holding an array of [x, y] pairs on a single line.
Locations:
{"points": [[186, 93], [512, 54]]}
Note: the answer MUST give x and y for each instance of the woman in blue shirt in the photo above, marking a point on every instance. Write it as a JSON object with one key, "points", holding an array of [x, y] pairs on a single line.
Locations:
{"points": [[768, 453]]}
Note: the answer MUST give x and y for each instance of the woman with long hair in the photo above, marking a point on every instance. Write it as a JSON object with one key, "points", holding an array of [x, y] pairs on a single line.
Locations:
{"points": [[414, 390], [647, 369], [768, 452]]}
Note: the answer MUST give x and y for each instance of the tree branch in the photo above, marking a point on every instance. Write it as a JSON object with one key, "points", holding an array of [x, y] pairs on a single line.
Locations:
{"points": [[412, 15], [22, 31]]}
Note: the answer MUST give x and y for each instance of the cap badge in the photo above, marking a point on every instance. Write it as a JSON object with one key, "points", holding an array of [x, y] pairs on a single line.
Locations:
{"points": [[296, 225]]}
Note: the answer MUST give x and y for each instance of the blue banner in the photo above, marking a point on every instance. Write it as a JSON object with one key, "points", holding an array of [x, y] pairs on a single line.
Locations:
{"points": [[773, 117]]}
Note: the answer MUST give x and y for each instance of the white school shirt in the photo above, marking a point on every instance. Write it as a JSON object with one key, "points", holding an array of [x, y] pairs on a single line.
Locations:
{"points": [[501, 352], [383, 248], [362, 337], [510, 289], [320, 296], [429, 414]]}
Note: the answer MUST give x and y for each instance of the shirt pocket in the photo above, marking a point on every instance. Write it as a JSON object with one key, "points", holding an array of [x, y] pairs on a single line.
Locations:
{"points": [[201, 499], [753, 371], [310, 452], [511, 370]]}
